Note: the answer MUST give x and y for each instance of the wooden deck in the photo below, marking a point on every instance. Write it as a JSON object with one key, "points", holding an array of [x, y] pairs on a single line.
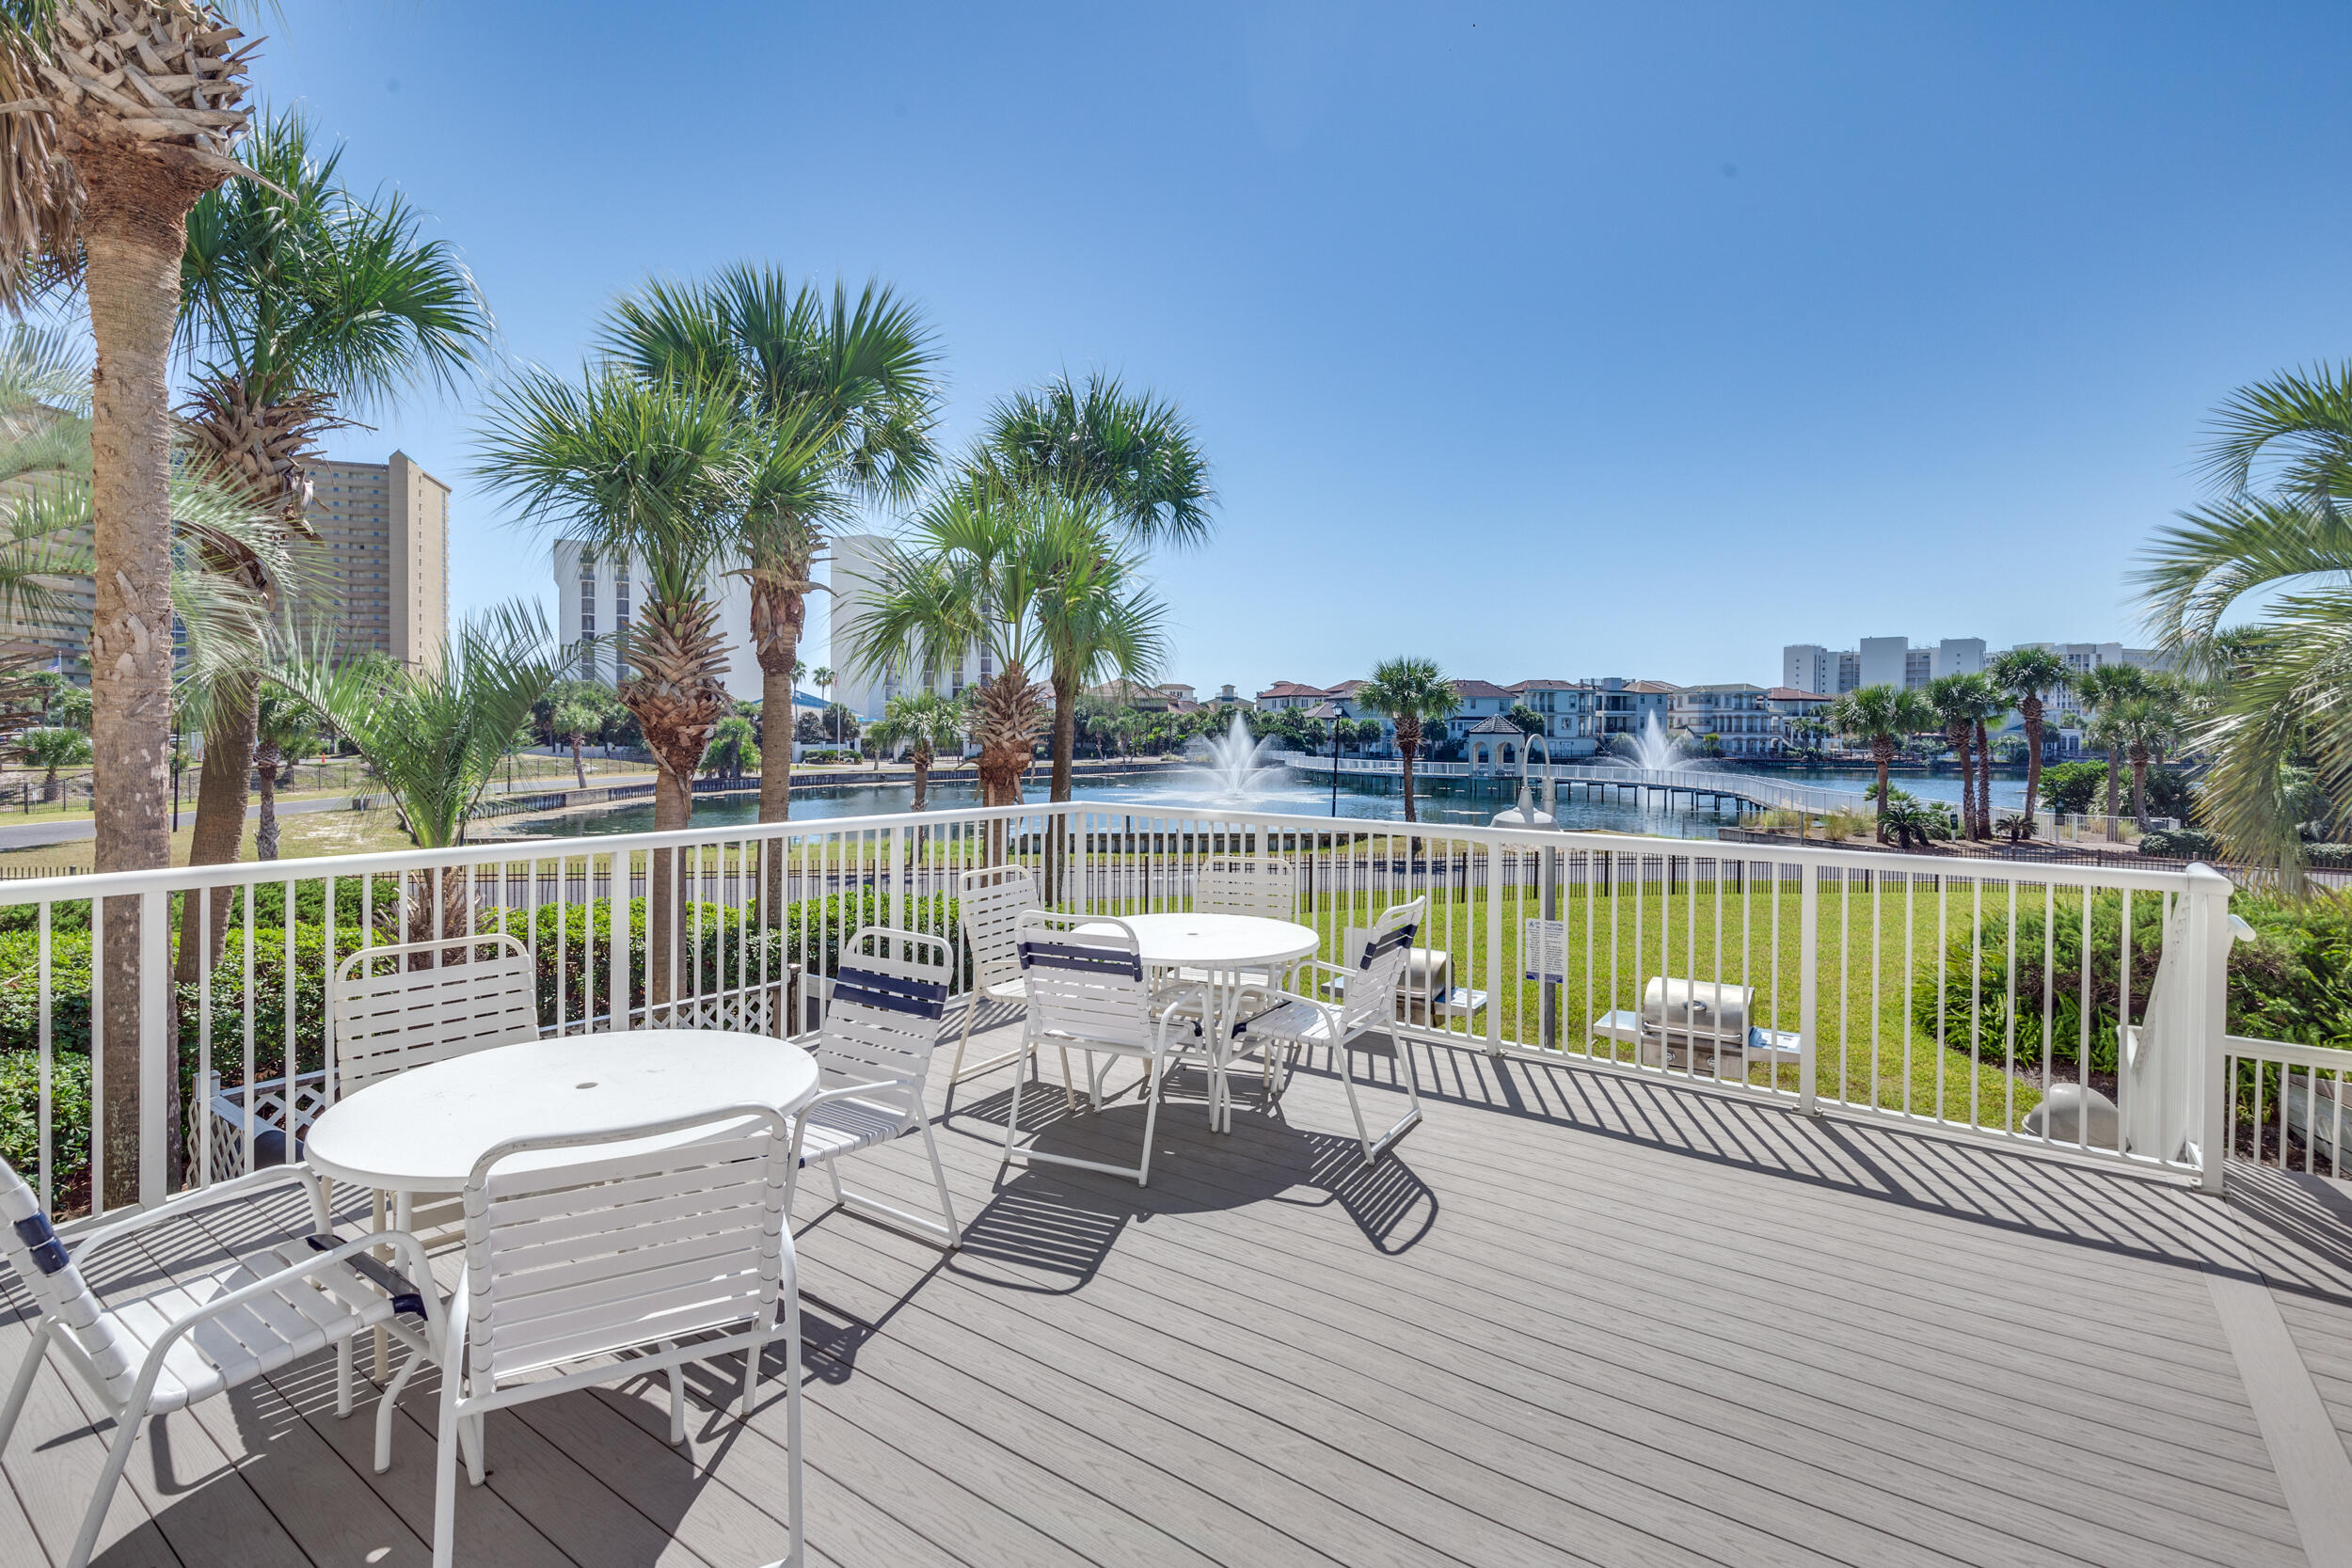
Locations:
{"points": [[1575, 1318]]}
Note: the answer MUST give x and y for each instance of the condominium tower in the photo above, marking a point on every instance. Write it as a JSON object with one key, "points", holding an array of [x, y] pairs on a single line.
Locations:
{"points": [[383, 557]]}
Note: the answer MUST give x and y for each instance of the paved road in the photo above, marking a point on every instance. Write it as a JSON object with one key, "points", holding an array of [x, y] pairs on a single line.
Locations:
{"points": [[30, 831]]}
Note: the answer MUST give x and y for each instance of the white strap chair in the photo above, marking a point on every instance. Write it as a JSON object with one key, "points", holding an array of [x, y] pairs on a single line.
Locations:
{"points": [[1293, 1021], [873, 1059], [989, 905], [1267, 889], [627, 1239], [1086, 990], [208, 1333], [407, 1004]]}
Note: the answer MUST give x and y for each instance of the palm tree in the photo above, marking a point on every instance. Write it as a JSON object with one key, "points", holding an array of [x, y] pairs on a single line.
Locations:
{"points": [[284, 730], [302, 305], [731, 751], [1954, 699], [575, 719], [648, 471], [1012, 573], [1411, 691], [436, 733], [1881, 717], [2028, 678], [926, 724], [2098, 690], [2146, 725], [97, 182], [844, 397], [822, 680], [50, 750], [1096, 442]]}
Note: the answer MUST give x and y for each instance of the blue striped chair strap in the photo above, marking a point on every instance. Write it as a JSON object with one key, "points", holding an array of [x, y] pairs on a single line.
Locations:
{"points": [[40, 1240], [870, 988], [1401, 937], [1086, 961]]}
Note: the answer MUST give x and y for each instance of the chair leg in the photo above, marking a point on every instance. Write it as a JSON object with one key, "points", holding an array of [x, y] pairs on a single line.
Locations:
{"points": [[27, 1371], [792, 1408], [971, 1013], [678, 1402], [1012, 1117], [343, 1378], [118, 1455], [391, 1397], [1069, 1093], [939, 1177], [1348, 1077], [477, 1449], [1150, 1120], [445, 1471]]}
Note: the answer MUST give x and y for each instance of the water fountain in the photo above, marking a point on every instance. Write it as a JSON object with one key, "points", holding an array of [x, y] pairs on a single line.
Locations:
{"points": [[1237, 769], [1650, 750]]}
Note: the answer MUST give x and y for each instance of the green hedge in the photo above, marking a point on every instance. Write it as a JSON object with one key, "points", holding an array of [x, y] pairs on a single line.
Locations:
{"points": [[725, 949], [2292, 982]]}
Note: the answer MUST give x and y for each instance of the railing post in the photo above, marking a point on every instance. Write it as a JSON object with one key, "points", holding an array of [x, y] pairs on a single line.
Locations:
{"points": [[617, 907], [2210, 938], [155, 1054], [1494, 948], [1808, 963]]}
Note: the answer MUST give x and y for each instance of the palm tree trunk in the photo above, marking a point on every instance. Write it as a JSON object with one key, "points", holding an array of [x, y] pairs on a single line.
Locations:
{"points": [[1883, 749], [137, 231], [2115, 778], [922, 760], [777, 617], [2031, 710], [2139, 786], [579, 768], [1408, 742], [1065, 732], [1957, 737], [225, 780], [265, 829], [49, 786], [1984, 781]]}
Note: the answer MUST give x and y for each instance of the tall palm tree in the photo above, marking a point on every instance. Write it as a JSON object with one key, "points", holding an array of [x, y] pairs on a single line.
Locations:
{"points": [[648, 471], [96, 181], [434, 732], [52, 750], [1411, 691], [1005, 572], [1095, 442], [844, 395], [1954, 700], [574, 721], [2028, 678], [302, 306], [926, 724], [1882, 717], [2146, 725]]}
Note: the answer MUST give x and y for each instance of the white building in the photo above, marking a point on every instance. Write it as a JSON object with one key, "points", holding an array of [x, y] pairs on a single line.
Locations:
{"points": [[1809, 667], [598, 595], [864, 691]]}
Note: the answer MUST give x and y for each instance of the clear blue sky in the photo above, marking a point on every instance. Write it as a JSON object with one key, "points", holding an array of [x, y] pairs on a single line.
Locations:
{"points": [[1546, 340]]}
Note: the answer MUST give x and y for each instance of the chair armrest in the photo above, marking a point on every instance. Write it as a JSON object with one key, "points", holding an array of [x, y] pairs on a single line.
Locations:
{"points": [[202, 1197], [399, 1241]]}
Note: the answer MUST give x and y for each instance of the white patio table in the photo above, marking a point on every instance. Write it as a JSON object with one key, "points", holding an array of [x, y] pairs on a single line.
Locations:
{"points": [[422, 1131], [1228, 949]]}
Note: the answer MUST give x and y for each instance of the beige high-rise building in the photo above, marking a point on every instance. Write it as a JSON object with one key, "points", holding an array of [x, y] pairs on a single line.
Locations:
{"points": [[383, 555]]}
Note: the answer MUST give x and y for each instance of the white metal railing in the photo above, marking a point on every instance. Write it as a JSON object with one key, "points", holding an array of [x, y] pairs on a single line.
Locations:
{"points": [[1905, 988], [2282, 1104]]}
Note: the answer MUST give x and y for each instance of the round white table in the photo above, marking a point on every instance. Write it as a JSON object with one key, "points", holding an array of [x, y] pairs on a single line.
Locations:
{"points": [[422, 1131], [1232, 951]]}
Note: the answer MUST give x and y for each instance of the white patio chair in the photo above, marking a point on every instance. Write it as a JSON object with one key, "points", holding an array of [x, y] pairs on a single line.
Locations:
{"points": [[1086, 990], [873, 1059], [404, 1005], [1267, 889], [388, 1016], [1294, 1022], [206, 1333], [629, 1239], [988, 906]]}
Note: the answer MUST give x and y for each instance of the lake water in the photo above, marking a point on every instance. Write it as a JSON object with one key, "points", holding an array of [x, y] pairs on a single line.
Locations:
{"points": [[1190, 792], [1183, 791]]}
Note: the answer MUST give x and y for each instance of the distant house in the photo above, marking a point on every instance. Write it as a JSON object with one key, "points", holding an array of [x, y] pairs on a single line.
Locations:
{"points": [[1166, 697], [1787, 714], [1732, 712], [1282, 694]]}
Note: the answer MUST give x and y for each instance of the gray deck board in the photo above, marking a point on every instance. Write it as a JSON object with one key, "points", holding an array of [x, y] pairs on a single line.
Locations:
{"points": [[1579, 1317]]}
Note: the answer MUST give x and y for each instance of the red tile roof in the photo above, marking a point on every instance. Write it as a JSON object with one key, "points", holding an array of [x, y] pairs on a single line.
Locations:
{"points": [[1468, 688], [1290, 688]]}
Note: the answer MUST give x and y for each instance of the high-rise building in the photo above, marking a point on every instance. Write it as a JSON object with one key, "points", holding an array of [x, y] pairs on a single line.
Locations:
{"points": [[597, 596], [857, 560], [1812, 668], [383, 548]]}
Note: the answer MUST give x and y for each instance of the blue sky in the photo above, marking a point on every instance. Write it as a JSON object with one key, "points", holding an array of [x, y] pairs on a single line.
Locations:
{"points": [[1546, 341]]}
